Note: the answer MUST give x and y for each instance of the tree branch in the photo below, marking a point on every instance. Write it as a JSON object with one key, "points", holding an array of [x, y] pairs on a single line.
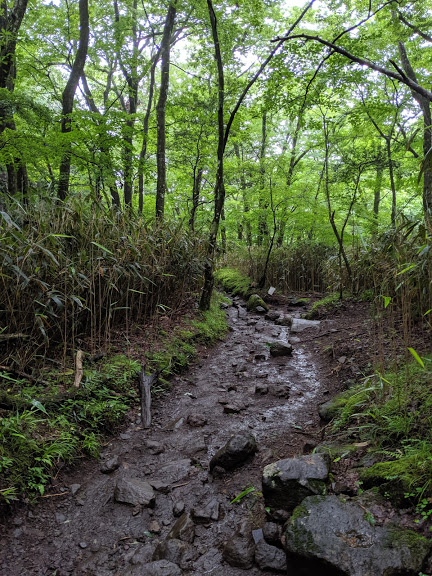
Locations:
{"points": [[414, 86]]}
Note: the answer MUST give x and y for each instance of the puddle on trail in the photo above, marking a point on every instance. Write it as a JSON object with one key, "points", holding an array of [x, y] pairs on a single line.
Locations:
{"points": [[85, 532]]}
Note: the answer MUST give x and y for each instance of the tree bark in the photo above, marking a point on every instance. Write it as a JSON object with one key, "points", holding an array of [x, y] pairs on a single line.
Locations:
{"points": [[263, 230], [197, 179], [146, 120], [165, 50], [219, 190], [244, 222], [424, 103], [68, 97]]}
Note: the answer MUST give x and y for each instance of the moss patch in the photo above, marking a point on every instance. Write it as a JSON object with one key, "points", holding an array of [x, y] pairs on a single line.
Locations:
{"points": [[234, 282]]}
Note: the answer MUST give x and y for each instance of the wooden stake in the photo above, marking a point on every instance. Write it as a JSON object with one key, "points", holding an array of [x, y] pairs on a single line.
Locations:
{"points": [[146, 382], [78, 368]]}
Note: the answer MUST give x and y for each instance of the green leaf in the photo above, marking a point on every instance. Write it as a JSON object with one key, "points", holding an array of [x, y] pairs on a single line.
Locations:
{"points": [[243, 494], [38, 406], [387, 300], [417, 357], [103, 248]]}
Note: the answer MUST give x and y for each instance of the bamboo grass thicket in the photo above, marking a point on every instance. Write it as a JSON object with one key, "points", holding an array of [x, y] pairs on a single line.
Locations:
{"points": [[69, 273]]}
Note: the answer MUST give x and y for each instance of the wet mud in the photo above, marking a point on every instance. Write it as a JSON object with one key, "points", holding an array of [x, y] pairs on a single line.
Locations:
{"points": [[80, 529]]}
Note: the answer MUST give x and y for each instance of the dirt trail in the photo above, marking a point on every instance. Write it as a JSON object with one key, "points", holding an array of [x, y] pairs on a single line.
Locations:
{"points": [[80, 529]]}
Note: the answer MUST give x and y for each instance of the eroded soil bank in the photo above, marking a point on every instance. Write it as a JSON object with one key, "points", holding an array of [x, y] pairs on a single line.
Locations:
{"points": [[79, 528]]}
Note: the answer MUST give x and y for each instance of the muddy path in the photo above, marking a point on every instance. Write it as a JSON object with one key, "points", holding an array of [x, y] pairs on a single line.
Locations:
{"points": [[80, 528]]}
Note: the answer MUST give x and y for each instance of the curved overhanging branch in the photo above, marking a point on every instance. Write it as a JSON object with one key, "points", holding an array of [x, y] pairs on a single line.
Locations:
{"points": [[399, 76]]}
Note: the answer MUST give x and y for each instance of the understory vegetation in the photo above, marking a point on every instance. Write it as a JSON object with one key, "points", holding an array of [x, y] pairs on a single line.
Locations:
{"points": [[391, 413]]}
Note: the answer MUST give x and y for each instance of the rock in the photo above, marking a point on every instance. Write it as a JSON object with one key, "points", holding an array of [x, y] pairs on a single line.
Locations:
{"points": [[279, 390], [154, 527], [158, 568], [234, 407], [134, 491], [154, 447], [272, 315], [299, 324], [178, 508], [272, 533], [261, 388], [260, 310], [83, 545], [287, 482], [280, 348], [196, 420], [175, 471], [260, 357], [110, 465], [209, 513], [160, 485], [239, 551], [270, 558], [255, 301], [183, 529], [336, 535], [74, 488], [257, 535], [174, 551], [284, 320], [236, 451]]}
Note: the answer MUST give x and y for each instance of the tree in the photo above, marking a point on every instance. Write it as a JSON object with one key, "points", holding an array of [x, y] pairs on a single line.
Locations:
{"points": [[160, 109], [68, 97]]}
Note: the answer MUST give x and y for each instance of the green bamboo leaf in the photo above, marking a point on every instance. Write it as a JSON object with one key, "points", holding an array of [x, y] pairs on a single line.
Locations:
{"points": [[103, 248], [243, 494], [410, 267], [417, 357]]}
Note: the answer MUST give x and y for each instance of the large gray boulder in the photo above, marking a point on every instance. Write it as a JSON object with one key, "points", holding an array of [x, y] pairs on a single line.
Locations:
{"points": [[337, 536], [134, 491], [236, 451], [287, 482]]}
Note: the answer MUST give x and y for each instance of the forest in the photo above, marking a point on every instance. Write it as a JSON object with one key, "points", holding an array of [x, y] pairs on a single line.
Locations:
{"points": [[150, 150]]}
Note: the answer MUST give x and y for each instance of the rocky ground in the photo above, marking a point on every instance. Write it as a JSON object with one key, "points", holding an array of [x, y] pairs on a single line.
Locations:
{"points": [[160, 502]]}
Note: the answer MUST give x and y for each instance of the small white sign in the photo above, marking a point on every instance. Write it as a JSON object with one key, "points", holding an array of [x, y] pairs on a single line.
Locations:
{"points": [[271, 290]]}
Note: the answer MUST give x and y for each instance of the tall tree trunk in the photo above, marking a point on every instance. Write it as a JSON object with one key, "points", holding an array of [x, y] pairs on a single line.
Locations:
{"points": [[219, 190], [198, 174], [392, 182], [223, 232], [68, 97], [146, 120], [263, 231], [427, 138], [244, 222], [377, 195], [165, 49], [10, 23]]}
